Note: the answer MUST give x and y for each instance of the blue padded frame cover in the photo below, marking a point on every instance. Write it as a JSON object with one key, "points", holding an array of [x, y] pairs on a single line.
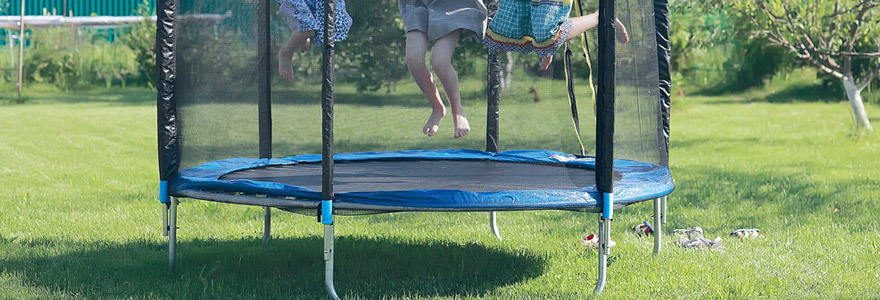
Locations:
{"points": [[639, 181]]}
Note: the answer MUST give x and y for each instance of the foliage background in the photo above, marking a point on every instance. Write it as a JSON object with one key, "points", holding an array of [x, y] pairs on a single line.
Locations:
{"points": [[714, 52]]}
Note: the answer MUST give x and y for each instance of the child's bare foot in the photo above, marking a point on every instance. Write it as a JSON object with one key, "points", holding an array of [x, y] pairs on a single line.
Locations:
{"points": [[622, 35], [285, 57], [433, 123], [285, 65], [545, 62], [462, 128]]}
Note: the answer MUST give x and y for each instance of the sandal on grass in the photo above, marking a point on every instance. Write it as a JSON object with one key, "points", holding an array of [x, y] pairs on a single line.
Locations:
{"points": [[592, 242], [643, 229]]}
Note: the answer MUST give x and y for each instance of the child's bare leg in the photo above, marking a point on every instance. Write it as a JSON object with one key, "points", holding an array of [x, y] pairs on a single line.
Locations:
{"points": [[299, 40], [578, 26], [416, 48], [441, 61], [581, 24], [584, 23]]}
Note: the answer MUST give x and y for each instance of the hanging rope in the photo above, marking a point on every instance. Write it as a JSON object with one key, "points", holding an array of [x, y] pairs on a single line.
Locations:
{"points": [[570, 83], [572, 100]]}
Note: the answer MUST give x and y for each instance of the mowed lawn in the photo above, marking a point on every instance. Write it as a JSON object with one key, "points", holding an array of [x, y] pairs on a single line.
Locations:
{"points": [[80, 219]]}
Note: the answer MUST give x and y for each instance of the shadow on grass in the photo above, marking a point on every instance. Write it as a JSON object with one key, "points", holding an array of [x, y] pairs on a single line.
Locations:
{"points": [[703, 142], [791, 94], [401, 98], [286, 268], [304, 94], [804, 93], [129, 96]]}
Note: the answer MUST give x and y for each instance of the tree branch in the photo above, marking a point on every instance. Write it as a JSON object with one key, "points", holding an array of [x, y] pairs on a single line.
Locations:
{"points": [[837, 13], [856, 25], [773, 33], [870, 77], [834, 25]]}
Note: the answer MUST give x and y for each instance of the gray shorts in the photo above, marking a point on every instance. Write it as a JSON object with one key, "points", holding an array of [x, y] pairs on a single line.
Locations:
{"points": [[437, 18]]}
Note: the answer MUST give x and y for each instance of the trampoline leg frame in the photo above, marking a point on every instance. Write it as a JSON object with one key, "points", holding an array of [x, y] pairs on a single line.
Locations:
{"points": [[663, 210], [171, 230], [328, 260], [267, 224], [658, 227], [493, 221], [604, 237]]}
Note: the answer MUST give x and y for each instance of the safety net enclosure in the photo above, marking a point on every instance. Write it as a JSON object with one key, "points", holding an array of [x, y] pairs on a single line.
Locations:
{"points": [[347, 134]]}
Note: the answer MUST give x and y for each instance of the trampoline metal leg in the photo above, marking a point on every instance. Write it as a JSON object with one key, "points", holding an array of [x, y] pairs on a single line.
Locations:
{"points": [[267, 224], [172, 232], [493, 221], [165, 208], [658, 232], [604, 237], [663, 210], [328, 261]]}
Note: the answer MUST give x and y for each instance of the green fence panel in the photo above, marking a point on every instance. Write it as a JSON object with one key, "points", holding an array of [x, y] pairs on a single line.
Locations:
{"points": [[75, 7]]}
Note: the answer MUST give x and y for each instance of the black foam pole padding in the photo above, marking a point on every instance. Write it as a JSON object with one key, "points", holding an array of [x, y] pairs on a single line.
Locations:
{"points": [[661, 23], [605, 98], [493, 110], [327, 101], [571, 96], [166, 75], [264, 85]]}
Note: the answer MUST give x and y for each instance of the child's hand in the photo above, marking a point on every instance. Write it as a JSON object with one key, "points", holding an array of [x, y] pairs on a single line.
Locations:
{"points": [[622, 35]]}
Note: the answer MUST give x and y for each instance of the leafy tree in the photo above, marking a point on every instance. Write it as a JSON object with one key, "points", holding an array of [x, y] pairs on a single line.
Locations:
{"points": [[142, 40], [838, 37], [708, 34]]}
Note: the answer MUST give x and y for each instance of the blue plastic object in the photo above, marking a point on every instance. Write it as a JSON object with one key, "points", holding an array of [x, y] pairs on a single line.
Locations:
{"points": [[163, 192], [607, 206], [327, 212]]}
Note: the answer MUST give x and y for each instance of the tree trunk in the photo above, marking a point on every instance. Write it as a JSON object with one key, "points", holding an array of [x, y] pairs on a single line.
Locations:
{"points": [[854, 94], [507, 72]]}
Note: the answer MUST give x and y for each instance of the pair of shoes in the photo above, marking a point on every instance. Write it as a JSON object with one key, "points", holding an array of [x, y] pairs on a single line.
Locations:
{"points": [[643, 229], [695, 239], [691, 233], [699, 243], [747, 233], [592, 241]]}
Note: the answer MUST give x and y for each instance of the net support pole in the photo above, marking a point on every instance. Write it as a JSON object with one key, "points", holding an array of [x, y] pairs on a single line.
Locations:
{"points": [[327, 145], [658, 228], [605, 132], [493, 113], [168, 137], [264, 91], [264, 86]]}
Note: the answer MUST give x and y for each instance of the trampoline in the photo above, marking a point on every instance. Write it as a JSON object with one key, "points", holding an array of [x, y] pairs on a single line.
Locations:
{"points": [[223, 138]]}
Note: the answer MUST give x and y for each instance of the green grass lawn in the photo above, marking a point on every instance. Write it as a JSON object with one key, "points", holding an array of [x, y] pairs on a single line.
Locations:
{"points": [[79, 216]]}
